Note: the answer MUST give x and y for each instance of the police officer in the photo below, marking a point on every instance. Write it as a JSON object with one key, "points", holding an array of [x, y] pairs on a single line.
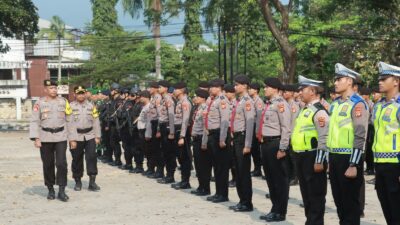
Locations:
{"points": [[216, 123], [138, 142], [112, 124], [182, 136], [155, 157], [105, 132], [229, 92], [254, 90], [369, 159], [274, 136], [242, 127], [288, 95], [202, 157], [50, 128], [309, 146], [386, 145], [85, 118], [144, 125], [166, 131], [346, 141]]}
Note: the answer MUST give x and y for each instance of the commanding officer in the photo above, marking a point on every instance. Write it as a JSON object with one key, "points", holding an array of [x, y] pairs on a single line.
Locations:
{"points": [[182, 135], [274, 135], [166, 131], [202, 157], [155, 157], [309, 146], [255, 146], [216, 123], [346, 140], [386, 145], [242, 127], [229, 91], [50, 128], [86, 120]]}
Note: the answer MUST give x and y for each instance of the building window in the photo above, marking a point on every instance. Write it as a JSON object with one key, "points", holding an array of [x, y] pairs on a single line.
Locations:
{"points": [[54, 74], [6, 74]]}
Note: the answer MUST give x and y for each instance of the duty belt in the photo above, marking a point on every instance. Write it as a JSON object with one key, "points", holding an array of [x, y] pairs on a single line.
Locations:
{"points": [[271, 138], [84, 131], [53, 130]]}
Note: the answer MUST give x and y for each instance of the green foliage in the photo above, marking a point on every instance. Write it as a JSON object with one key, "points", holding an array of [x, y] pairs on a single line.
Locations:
{"points": [[19, 18], [105, 16]]}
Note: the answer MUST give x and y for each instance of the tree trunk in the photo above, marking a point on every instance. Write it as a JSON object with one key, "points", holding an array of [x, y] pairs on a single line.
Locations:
{"points": [[288, 52], [157, 33]]}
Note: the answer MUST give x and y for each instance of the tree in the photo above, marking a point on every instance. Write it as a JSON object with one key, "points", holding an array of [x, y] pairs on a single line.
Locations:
{"points": [[19, 19], [56, 31], [281, 33], [105, 16], [153, 11]]}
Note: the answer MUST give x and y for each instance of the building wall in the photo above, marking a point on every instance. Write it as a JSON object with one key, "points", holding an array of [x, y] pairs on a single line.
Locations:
{"points": [[36, 74], [8, 109]]}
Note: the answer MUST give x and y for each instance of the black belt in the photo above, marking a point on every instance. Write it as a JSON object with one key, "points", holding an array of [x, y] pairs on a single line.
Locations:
{"points": [[53, 130], [84, 131], [270, 138], [213, 131], [235, 134]]}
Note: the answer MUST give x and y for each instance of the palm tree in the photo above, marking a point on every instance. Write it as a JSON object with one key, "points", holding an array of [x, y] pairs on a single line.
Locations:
{"points": [[153, 10], [56, 31]]}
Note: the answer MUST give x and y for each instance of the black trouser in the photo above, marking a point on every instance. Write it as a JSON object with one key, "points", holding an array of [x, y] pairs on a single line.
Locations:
{"points": [[183, 154], [114, 142], [202, 163], [345, 191], [229, 147], [168, 149], [105, 138], [85, 148], [243, 167], [147, 150], [387, 187], [313, 187], [292, 164], [221, 162], [54, 154], [127, 144], [276, 174], [369, 155], [255, 152], [138, 147], [155, 148]]}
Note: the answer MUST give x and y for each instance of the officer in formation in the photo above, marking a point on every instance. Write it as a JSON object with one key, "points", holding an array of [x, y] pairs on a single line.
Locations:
{"points": [[85, 118], [229, 92]]}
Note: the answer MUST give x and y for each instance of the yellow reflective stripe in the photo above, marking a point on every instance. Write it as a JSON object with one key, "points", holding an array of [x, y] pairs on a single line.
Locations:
{"points": [[68, 109], [95, 113]]}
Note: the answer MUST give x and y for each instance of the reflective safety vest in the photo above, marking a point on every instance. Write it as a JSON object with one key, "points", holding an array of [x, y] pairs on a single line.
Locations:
{"points": [[386, 145], [304, 130], [341, 130]]}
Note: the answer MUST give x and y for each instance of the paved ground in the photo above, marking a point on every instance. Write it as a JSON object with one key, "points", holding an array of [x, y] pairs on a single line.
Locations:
{"points": [[129, 199]]}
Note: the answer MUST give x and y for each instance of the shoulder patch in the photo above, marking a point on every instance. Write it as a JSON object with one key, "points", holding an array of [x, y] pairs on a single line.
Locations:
{"points": [[358, 110], [36, 107], [281, 107], [223, 104], [248, 106], [294, 110], [321, 121]]}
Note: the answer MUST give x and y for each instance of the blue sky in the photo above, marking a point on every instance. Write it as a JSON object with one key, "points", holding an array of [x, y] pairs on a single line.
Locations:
{"points": [[77, 13]]}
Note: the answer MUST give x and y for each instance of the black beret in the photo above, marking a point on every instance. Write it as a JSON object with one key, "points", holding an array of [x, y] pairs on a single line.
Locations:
{"points": [[145, 94], [49, 83], [229, 88], [79, 89], [153, 84], [114, 86], [134, 91], [202, 93], [365, 91], [217, 83], [242, 79], [204, 84], [164, 83], [106, 92], [290, 87], [125, 90], [273, 82], [180, 85], [255, 86]]}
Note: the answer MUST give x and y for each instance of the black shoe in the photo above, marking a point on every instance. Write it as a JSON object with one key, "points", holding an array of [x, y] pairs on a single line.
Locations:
{"points": [[61, 194], [276, 218], [212, 179], [147, 172], [301, 205], [233, 207], [232, 183], [267, 195], [166, 180], [256, 173], [139, 170], [92, 184], [133, 170], [52, 194], [211, 198], [126, 167], [294, 182], [106, 160], [78, 185], [203, 193], [182, 185], [362, 215], [176, 185], [155, 175], [268, 216], [369, 172], [220, 199], [244, 208], [195, 192], [263, 177], [371, 181], [116, 163]]}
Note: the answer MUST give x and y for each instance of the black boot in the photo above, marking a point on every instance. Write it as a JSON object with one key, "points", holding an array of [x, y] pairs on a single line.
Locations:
{"points": [[52, 194], [78, 184], [92, 184], [61, 194]]}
